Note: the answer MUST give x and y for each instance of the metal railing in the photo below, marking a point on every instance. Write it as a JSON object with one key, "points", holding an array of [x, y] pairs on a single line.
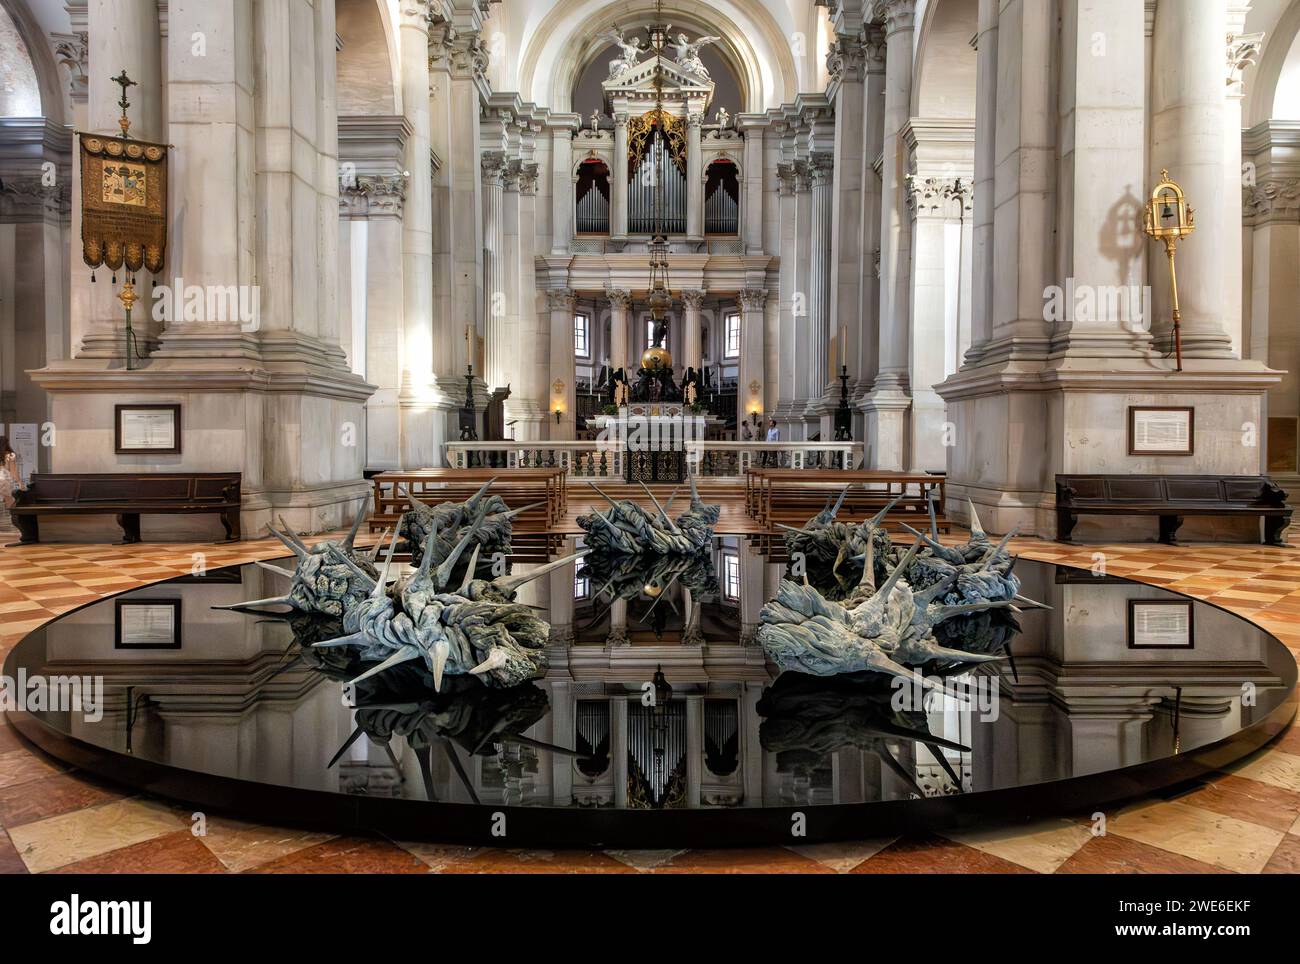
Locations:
{"points": [[604, 459]]}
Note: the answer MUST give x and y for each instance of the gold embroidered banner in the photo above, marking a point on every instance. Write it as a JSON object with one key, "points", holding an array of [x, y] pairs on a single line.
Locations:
{"points": [[123, 203]]}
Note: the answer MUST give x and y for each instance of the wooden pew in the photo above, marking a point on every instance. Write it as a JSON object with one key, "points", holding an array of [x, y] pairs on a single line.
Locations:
{"points": [[1170, 498], [128, 496]]}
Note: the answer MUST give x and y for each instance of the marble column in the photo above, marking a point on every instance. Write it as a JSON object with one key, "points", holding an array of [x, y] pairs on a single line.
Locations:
{"points": [[863, 363], [1187, 104], [1102, 107], [561, 599], [617, 624], [807, 380], [821, 169], [561, 303], [886, 406], [789, 414], [530, 407], [1243, 50], [417, 447], [986, 105], [694, 179], [620, 321], [847, 64], [371, 209], [497, 286], [618, 181], [692, 346], [123, 35], [750, 391], [562, 226]]}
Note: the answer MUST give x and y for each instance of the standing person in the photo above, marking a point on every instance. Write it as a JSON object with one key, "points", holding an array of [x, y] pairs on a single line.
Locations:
{"points": [[773, 435], [11, 477]]}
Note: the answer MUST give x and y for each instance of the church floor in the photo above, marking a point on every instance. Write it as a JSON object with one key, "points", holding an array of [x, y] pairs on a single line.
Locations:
{"points": [[1245, 820]]}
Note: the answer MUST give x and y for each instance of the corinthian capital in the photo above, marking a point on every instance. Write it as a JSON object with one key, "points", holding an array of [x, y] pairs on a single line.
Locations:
{"points": [[619, 297], [752, 299], [1243, 49], [693, 299], [897, 14], [561, 299]]}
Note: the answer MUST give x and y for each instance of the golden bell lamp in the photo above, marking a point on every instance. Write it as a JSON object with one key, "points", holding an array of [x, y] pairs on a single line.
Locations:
{"points": [[1168, 219]]}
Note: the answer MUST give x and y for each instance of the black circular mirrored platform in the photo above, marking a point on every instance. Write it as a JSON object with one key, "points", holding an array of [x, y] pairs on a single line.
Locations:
{"points": [[1116, 690]]}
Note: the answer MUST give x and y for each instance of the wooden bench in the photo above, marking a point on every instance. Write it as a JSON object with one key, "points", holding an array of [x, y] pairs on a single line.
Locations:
{"points": [[534, 530], [793, 496], [1170, 498], [127, 496]]}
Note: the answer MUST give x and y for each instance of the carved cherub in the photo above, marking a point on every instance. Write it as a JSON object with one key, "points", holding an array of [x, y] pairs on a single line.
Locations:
{"points": [[688, 52], [631, 48]]}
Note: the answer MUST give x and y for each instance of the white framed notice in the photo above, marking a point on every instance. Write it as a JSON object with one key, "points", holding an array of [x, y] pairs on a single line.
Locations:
{"points": [[148, 624], [23, 440], [1161, 430], [1160, 624], [147, 429]]}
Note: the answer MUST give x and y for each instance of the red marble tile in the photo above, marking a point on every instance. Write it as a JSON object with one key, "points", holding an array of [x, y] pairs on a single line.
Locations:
{"points": [[1286, 858], [10, 862], [1113, 854], [51, 796], [174, 853], [935, 855], [537, 862], [759, 860], [347, 855]]}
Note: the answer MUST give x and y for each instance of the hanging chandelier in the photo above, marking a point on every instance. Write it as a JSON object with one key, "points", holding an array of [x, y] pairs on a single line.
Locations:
{"points": [[660, 295]]}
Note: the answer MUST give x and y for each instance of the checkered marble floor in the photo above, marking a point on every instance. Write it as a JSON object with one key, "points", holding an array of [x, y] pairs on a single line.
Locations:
{"points": [[1244, 820]]}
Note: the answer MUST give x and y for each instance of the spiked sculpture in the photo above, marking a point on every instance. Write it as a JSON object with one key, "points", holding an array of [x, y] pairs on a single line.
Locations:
{"points": [[330, 578], [647, 574], [976, 570], [832, 552], [475, 628], [885, 629], [807, 717], [629, 529], [397, 703], [488, 514]]}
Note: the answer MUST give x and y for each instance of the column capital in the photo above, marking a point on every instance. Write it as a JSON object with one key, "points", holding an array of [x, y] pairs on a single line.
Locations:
{"points": [[72, 50], [873, 48], [528, 178], [693, 299], [493, 165], [938, 196], [786, 179], [821, 167], [1243, 50], [752, 299], [561, 299], [619, 298], [372, 195], [1277, 199], [846, 59], [899, 15]]}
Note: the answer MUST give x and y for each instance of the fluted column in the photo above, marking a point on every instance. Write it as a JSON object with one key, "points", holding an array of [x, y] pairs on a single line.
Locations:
{"points": [[821, 168], [561, 302], [496, 284], [620, 318], [986, 105], [1243, 50], [694, 179], [123, 35], [618, 180], [846, 62], [693, 348], [1187, 103], [750, 392], [417, 446], [887, 404]]}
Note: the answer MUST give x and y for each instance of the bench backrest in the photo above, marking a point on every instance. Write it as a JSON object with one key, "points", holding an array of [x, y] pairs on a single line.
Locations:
{"points": [[124, 488], [1223, 490]]}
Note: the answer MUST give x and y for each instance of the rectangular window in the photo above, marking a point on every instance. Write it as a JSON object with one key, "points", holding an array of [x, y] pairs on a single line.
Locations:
{"points": [[731, 576], [581, 581], [731, 330], [582, 336]]}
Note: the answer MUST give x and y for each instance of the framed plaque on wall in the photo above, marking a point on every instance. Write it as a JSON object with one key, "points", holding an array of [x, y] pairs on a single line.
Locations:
{"points": [[147, 429], [1160, 624], [1161, 430], [147, 624]]}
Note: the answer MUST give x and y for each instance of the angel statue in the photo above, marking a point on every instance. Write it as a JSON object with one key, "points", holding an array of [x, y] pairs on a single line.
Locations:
{"points": [[688, 52], [631, 48]]}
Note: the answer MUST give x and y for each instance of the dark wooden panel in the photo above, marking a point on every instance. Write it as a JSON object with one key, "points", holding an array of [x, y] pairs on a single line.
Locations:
{"points": [[1198, 488], [1135, 488]]}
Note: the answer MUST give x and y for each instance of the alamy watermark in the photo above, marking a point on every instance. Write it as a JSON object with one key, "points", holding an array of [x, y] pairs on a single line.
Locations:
{"points": [[53, 694]]}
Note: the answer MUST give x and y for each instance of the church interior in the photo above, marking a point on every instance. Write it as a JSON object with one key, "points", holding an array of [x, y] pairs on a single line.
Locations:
{"points": [[653, 436]]}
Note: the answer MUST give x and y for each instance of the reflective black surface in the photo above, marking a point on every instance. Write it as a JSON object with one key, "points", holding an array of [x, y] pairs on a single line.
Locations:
{"points": [[244, 714]]}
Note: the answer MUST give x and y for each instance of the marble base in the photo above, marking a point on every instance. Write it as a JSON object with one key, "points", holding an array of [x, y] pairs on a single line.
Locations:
{"points": [[292, 422], [1019, 424]]}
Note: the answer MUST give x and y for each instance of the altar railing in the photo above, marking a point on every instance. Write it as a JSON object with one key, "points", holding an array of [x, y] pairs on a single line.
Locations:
{"points": [[604, 459]]}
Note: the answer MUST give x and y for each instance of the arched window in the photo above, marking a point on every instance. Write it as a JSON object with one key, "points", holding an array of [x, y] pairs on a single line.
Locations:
{"points": [[592, 197], [722, 198]]}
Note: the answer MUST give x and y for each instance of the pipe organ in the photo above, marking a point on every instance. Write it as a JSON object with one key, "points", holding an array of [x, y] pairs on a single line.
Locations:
{"points": [[656, 750], [593, 212], [657, 167], [721, 211]]}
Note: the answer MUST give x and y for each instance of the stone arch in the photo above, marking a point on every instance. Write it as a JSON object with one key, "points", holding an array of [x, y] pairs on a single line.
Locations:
{"points": [[30, 66], [369, 79], [1279, 65], [571, 36], [944, 73]]}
